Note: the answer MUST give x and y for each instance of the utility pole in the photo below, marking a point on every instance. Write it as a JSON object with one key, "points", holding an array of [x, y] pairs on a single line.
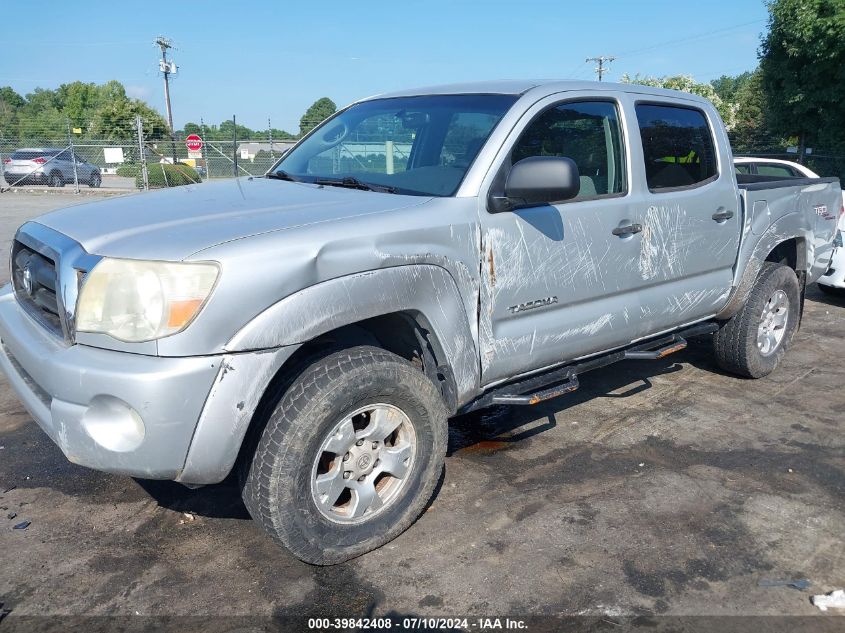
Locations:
{"points": [[167, 68], [235, 145], [601, 60], [270, 135]]}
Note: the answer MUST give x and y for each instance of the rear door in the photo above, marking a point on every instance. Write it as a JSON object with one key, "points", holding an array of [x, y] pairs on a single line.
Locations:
{"points": [[691, 220]]}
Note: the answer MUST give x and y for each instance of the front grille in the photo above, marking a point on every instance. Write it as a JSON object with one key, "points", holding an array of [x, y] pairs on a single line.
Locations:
{"points": [[35, 282]]}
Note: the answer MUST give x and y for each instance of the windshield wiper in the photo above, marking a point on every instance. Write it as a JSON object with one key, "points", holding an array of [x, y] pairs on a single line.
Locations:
{"points": [[350, 182], [280, 175]]}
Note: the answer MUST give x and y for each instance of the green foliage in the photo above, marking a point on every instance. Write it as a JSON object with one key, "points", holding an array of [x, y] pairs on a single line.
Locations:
{"points": [[751, 131], [686, 83], [801, 60], [103, 111], [128, 170], [727, 86], [167, 175], [318, 112], [223, 132]]}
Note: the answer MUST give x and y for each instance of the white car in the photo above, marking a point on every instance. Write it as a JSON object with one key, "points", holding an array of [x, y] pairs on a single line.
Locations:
{"points": [[832, 282]]}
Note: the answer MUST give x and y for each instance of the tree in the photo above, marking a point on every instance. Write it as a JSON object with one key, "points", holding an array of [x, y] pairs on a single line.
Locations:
{"points": [[10, 103], [190, 128], [801, 61], [686, 83], [751, 126], [727, 86], [319, 111], [77, 100]]}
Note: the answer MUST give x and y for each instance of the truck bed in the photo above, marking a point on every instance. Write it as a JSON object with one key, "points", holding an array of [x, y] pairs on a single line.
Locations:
{"points": [[794, 206]]}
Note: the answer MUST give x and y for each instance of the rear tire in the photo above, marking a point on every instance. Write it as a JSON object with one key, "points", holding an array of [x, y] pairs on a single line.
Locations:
{"points": [[753, 341], [56, 180], [313, 472]]}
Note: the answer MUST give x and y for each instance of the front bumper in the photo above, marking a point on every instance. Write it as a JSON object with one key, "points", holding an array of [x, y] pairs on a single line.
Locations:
{"points": [[145, 416], [835, 275]]}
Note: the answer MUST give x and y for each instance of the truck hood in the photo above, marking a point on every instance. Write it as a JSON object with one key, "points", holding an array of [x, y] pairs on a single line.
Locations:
{"points": [[175, 223]]}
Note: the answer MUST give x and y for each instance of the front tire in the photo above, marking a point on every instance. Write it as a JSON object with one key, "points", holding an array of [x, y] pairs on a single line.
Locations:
{"points": [[95, 180], [350, 456], [753, 341]]}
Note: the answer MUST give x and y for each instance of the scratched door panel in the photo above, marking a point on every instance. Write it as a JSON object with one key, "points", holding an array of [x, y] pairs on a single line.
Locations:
{"points": [[557, 285], [691, 215]]}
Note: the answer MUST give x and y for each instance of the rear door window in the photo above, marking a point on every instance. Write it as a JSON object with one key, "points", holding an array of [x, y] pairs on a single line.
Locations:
{"points": [[678, 146]]}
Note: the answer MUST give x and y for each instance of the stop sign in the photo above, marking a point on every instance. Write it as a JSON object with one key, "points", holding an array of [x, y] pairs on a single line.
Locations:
{"points": [[193, 142]]}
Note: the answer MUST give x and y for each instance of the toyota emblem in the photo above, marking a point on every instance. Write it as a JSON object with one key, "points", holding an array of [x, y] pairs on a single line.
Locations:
{"points": [[26, 279]]}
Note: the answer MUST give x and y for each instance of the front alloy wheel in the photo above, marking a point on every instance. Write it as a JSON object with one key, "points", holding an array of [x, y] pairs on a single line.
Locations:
{"points": [[363, 463]]}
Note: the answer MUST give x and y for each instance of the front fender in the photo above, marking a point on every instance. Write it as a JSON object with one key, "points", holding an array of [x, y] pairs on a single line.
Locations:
{"points": [[425, 289]]}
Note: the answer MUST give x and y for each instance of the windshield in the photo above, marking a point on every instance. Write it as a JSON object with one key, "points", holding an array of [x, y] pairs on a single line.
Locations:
{"points": [[413, 145]]}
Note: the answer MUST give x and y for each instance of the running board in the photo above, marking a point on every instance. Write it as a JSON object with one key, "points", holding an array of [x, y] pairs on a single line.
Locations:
{"points": [[563, 380]]}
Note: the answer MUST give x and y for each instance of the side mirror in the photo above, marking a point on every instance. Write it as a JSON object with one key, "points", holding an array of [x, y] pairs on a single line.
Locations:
{"points": [[541, 179]]}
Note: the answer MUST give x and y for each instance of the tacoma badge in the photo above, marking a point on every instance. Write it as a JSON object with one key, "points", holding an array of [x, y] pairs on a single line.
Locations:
{"points": [[530, 305]]}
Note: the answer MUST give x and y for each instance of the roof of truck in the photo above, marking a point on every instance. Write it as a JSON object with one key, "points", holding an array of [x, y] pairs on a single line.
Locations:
{"points": [[549, 86]]}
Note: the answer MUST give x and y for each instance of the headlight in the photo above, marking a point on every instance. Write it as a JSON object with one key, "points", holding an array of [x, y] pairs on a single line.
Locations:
{"points": [[136, 301]]}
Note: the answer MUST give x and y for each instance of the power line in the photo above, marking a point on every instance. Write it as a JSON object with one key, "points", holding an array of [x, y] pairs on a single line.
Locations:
{"points": [[687, 39]]}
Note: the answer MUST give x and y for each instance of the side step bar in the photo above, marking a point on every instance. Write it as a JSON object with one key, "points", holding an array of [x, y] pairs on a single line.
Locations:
{"points": [[563, 380]]}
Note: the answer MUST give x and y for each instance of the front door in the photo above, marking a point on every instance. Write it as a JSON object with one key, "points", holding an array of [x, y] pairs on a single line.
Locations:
{"points": [[560, 281]]}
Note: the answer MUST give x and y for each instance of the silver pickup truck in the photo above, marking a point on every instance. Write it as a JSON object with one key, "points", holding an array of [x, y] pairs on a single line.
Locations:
{"points": [[418, 255]]}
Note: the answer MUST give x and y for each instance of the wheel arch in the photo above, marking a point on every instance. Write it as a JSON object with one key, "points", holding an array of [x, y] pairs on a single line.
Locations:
{"points": [[421, 298], [790, 247]]}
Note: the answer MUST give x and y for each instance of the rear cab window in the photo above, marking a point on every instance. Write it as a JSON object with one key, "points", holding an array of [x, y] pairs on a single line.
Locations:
{"points": [[678, 147]]}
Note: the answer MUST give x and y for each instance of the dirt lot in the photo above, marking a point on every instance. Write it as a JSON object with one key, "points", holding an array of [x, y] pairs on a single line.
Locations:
{"points": [[658, 488]]}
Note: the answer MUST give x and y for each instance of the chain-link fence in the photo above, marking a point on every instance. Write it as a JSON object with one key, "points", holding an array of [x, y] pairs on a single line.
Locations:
{"points": [[133, 155]]}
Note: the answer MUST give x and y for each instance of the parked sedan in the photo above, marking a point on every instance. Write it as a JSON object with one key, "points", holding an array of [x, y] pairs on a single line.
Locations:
{"points": [[833, 281], [48, 166]]}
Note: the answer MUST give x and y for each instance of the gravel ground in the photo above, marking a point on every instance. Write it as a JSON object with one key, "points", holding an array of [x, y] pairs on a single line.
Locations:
{"points": [[659, 487]]}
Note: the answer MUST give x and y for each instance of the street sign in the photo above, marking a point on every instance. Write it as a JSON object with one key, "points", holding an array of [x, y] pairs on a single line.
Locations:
{"points": [[193, 142]]}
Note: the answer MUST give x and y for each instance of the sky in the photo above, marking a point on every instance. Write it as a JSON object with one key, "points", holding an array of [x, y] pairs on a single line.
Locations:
{"points": [[263, 60]]}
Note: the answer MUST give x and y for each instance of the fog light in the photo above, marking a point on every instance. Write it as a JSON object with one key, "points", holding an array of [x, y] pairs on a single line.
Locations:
{"points": [[113, 424]]}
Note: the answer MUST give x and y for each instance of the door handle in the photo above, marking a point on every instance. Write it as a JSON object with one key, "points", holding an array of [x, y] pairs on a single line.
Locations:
{"points": [[628, 229], [722, 215]]}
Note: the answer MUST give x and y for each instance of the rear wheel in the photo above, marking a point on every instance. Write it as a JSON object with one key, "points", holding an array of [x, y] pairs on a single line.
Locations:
{"points": [[753, 342], [56, 180], [350, 456]]}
